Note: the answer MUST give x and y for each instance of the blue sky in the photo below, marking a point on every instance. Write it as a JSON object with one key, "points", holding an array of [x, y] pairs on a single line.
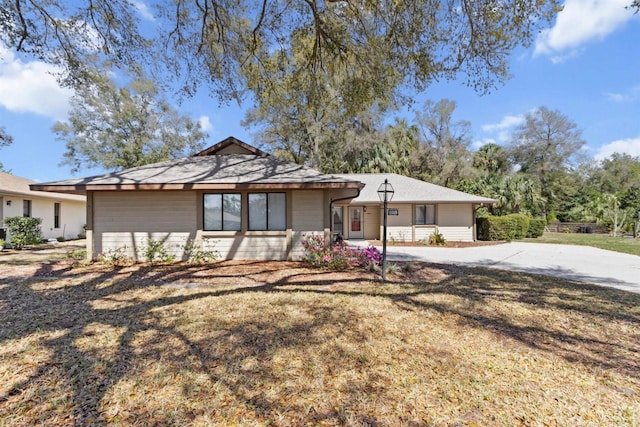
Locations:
{"points": [[586, 65]]}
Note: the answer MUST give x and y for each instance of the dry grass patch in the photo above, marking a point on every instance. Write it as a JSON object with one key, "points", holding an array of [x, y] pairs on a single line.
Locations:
{"points": [[272, 343]]}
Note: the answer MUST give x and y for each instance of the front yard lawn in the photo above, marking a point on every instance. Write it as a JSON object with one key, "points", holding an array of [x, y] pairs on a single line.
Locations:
{"points": [[276, 343], [603, 241]]}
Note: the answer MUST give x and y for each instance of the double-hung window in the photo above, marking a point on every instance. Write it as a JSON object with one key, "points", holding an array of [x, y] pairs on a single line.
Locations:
{"points": [[223, 212], [56, 215], [26, 208], [267, 211], [425, 214]]}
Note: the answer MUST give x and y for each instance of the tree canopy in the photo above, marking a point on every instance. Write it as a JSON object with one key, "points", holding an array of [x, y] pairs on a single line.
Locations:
{"points": [[236, 45], [122, 127], [546, 145], [5, 139]]}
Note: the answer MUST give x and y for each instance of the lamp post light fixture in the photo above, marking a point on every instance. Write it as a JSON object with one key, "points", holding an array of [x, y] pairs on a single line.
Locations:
{"points": [[385, 193]]}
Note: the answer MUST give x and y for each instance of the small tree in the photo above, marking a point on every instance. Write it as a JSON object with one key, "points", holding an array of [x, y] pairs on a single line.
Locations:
{"points": [[607, 209], [23, 231]]}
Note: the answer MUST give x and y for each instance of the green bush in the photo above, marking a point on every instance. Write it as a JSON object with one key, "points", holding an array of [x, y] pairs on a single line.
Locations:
{"points": [[508, 227], [437, 239], [197, 255], [23, 231], [116, 257], [495, 228], [155, 251], [521, 222], [536, 227]]}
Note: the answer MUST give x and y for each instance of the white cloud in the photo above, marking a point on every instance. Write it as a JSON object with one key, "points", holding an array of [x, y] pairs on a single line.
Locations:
{"points": [[479, 143], [31, 87], [205, 124], [503, 129], [579, 22], [628, 96], [144, 10], [629, 146]]}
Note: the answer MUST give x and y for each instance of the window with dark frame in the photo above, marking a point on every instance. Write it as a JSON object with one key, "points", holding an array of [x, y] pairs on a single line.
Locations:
{"points": [[222, 212], [267, 211], [425, 214], [56, 215], [26, 208]]}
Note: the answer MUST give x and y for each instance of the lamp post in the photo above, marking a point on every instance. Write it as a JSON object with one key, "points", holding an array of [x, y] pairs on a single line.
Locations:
{"points": [[385, 193]]}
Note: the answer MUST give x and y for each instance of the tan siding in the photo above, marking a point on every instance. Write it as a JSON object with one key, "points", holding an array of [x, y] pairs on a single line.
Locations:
{"points": [[423, 232], [457, 234], [130, 219], [308, 210], [297, 248], [308, 218], [248, 247], [398, 226], [400, 234], [372, 222], [455, 222]]}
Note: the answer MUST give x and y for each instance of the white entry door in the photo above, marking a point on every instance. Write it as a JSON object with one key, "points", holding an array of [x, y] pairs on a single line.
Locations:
{"points": [[356, 225]]}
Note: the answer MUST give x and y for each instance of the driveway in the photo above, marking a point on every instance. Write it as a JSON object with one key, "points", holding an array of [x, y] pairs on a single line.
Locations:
{"points": [[582, 263]]}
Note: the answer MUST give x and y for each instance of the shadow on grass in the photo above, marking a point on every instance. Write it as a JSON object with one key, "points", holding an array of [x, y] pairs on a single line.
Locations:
{"points": [[69, 302]]}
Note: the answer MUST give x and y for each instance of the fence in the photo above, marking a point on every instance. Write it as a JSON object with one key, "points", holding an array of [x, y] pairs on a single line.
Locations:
{"points": [[576, 227]]}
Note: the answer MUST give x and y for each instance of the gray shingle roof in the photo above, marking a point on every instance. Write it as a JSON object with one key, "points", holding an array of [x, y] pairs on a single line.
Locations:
{"points": [[410, 190], [207, 172]]}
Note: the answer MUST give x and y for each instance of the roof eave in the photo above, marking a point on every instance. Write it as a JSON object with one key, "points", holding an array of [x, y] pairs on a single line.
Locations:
{"points": [[82, 188]]}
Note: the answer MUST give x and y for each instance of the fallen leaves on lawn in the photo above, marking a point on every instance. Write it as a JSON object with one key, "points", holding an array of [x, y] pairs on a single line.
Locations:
{"points": [[277, 343]]}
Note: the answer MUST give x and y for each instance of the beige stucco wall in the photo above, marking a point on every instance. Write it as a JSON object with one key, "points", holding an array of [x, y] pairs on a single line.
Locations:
{"points": [[455, 221], [72, 215]]}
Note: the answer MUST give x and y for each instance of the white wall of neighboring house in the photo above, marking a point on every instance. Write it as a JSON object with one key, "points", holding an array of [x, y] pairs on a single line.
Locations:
{"points": [[72, 215]]}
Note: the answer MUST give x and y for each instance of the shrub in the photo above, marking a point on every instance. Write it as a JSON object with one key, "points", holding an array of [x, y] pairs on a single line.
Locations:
{"points": [[197, 255], [409, 267], [155, 251], [23, 231], [437, 239], [77, 254], [60, 239], [116, 256], [341, 257], [495, 228], [507, 227], [521, 225], [536, 227]]}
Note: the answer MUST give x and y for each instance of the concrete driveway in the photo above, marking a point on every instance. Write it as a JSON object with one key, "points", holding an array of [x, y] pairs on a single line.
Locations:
{"points": [[582, 263]]}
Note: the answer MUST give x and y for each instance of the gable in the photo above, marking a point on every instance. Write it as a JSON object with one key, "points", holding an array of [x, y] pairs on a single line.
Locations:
{"points": [[229, 146]]}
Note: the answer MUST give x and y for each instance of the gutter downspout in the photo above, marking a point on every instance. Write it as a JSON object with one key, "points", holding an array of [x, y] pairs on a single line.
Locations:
{"points": [[331, 212]]}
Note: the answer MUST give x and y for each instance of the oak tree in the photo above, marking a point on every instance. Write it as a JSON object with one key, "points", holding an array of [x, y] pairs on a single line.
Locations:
{"points": [[115, 127]]}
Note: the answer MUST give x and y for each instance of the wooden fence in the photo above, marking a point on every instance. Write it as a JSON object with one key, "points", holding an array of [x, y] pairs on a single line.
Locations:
{"points": [[576, 227]]}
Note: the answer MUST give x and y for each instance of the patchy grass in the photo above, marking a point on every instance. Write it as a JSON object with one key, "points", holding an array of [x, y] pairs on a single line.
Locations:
{"points": [[602, 241], [274, 343]]}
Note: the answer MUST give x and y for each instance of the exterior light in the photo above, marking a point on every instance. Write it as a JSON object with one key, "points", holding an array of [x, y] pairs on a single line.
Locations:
{"points": [[385, 192]]}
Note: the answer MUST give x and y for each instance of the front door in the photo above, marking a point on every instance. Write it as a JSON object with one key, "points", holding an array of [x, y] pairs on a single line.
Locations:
{"points": [[356, 227]]}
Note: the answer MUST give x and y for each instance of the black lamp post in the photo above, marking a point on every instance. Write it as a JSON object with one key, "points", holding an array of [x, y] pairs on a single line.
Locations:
{"points": [[385, 192]]}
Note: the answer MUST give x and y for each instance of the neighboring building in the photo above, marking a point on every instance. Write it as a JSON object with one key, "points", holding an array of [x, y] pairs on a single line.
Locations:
{"points": [[246, 204], [417, 210], [62, 215]]}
